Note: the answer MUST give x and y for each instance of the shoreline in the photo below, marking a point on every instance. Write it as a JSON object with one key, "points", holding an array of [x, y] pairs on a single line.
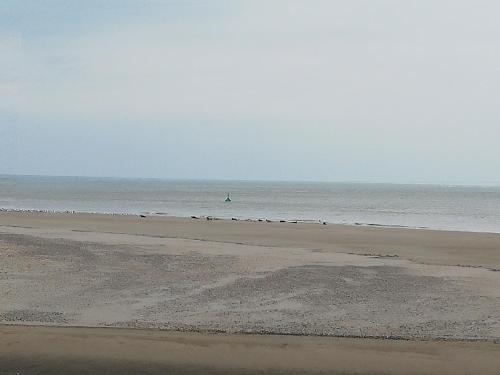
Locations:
{"points": [[251, 220]]}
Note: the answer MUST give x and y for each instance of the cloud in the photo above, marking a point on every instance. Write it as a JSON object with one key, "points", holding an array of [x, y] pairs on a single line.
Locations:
{"points": [[282, 60], [358, 80]]}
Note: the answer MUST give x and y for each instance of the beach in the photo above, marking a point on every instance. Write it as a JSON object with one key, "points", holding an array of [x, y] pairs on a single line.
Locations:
{"points": [[44, 350], [429, 301]]}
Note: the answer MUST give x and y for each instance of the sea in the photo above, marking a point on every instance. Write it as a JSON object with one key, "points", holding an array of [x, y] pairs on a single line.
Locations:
{"points": [[442, 207]]}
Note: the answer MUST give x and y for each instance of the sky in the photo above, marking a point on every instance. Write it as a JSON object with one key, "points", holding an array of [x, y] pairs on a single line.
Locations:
{"points": [[372, 91]]}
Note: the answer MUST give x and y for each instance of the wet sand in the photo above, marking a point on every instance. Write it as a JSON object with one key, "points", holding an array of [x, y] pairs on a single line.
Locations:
{"points": [[44, 350], [424, 246], [352, 284]]}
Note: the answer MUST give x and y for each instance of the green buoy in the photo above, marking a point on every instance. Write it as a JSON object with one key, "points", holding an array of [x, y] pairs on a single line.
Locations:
{"points": [[228, 199]]}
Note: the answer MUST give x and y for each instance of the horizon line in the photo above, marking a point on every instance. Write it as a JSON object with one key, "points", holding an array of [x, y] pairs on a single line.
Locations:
{"points": [[367, 182]]}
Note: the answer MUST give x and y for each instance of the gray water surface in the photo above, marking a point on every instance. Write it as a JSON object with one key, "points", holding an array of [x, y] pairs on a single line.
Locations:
{"points": [[471, 208]]}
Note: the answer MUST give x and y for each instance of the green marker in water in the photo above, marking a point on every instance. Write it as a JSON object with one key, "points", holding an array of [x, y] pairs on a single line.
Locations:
{"points": [[228, 199]]}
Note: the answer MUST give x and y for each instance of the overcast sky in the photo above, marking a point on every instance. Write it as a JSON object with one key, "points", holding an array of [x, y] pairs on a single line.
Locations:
{"points": [[375, 90]]}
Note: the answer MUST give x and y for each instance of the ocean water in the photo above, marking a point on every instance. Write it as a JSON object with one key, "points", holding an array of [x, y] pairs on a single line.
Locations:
{"points": [[470, 208]]}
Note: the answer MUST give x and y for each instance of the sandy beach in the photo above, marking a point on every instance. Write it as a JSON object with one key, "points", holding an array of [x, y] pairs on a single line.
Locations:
{"points": [[395, 291], [44, 350]]}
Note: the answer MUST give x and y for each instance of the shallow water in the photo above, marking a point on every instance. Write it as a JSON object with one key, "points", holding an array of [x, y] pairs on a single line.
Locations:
{"points": [[473, 208]]}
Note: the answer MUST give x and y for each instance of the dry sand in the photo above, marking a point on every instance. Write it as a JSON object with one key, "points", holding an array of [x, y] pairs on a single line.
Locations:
{"points": [[245, 277]]}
